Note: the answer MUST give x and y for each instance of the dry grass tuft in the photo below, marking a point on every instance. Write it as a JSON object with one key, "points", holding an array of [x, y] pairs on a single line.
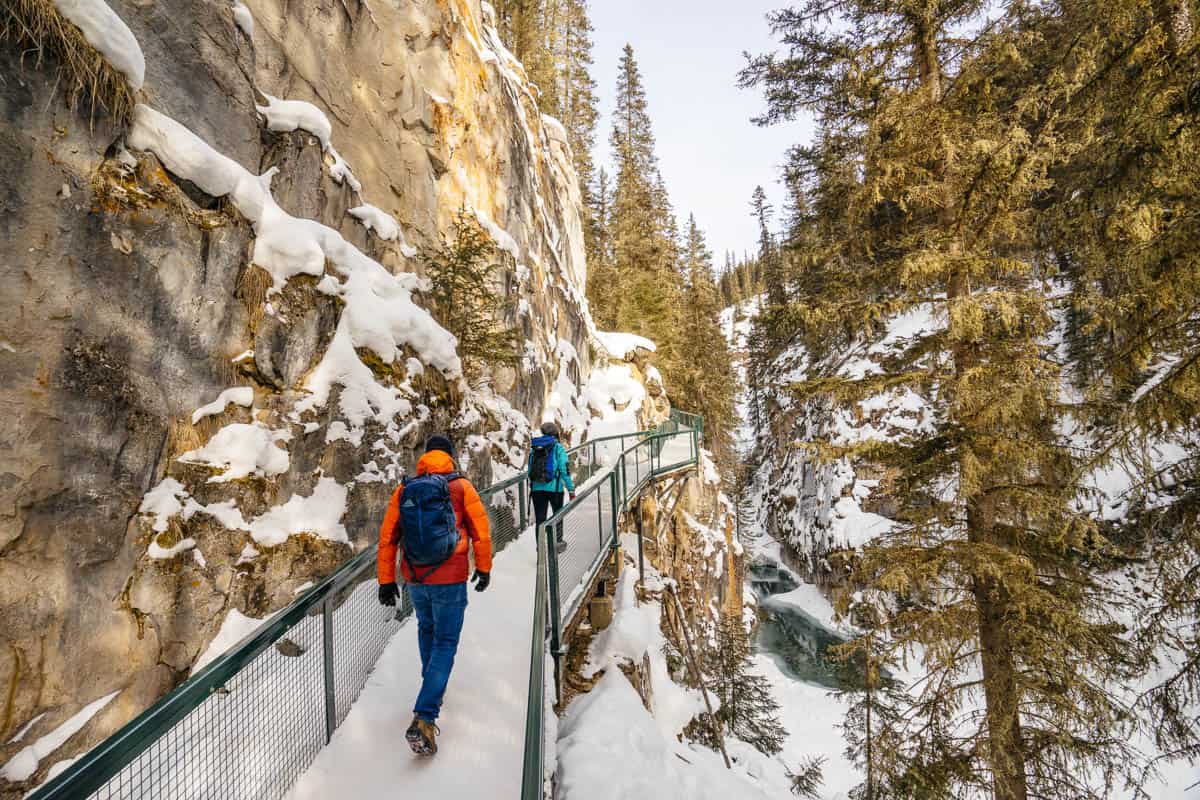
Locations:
{"points": [[253, 285], [183, 436], [41, 31]]}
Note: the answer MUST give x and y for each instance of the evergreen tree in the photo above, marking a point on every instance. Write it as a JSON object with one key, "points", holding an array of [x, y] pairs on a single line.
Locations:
{"points": [[748, 710], [703, 379], [577, 107], [465, 299], [768, 255], [603, 281], [642, 229], [992, 565], [1122, 219]]}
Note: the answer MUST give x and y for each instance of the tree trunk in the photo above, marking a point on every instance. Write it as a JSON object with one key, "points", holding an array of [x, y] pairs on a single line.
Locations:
{"points": [[925, 55], [1006, 750], [1176, 17]]}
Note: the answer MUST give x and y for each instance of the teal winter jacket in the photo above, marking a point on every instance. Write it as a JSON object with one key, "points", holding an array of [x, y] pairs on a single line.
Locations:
{"points": [[562, 478]]}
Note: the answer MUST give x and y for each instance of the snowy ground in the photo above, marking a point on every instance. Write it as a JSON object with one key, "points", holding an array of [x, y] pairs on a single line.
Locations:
{"points": [[612, 748], [481, 750]]}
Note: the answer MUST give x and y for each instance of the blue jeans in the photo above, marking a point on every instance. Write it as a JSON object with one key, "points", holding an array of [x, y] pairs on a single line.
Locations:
{"points": [[440, 610]]}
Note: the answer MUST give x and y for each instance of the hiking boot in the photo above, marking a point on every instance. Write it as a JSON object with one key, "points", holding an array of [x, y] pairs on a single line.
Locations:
{"points": [[560, 545], [422, 737]]}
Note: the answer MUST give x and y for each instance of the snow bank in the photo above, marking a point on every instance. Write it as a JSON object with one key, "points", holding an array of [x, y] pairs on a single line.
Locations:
{"points": [[500, 236], [22, 766], [853, 527], [555, 129], [623, 345], [240, 450], [611, 748], [240, 396], [243, 19], [341, 173], [111, 37], [319, 514], [163, 501], [284, 116], [374, 219], [808, 600], [26, 728], [160, 553], [363, 398]]}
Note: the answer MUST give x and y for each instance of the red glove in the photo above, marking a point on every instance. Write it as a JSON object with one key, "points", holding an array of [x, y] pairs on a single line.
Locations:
{"points": [[570, 496]]}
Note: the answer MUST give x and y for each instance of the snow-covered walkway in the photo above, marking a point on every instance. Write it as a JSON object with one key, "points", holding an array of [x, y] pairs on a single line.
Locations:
{"points": [[482, 744]]}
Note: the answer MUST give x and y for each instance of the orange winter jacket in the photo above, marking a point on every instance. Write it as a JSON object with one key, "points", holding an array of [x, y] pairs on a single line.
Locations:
{"points": [[472, 525]]}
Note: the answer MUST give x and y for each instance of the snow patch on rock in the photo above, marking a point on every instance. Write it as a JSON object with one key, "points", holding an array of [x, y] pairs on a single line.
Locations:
{"points": [[239, 396], [24, 764], [109, 34], [240, 450]]}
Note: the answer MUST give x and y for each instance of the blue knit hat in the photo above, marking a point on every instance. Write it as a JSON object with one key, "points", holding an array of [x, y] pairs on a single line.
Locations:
{"points": [[439, 441]]}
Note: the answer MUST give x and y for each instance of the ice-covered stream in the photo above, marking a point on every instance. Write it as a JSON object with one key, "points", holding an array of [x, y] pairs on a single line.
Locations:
{"points": [[794, 637]]}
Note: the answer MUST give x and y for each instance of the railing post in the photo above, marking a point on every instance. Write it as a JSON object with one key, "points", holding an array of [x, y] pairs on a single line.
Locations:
{"points": [[615, 506], [624, 478], [637, 520], [555, 610], [523, 500], [327, 642], [599, 518]]}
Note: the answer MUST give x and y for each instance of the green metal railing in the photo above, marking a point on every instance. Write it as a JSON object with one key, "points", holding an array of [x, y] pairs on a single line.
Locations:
{"points": [[250, 723], [589, 530]]}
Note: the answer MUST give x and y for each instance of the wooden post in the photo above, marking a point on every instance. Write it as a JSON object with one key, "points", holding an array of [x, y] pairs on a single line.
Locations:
{"points": [[712, 718]]}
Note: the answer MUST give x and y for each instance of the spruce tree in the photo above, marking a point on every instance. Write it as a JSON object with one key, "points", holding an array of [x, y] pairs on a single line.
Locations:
{"points": [[992, 565], [768, 255], [703, 380], [748, 710], [642, 228], [603, 280], [465, 299], [1122, 218], [577, 97]]}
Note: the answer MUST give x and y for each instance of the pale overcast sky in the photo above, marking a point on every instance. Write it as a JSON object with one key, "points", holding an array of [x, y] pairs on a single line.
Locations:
{"points": [[712, 156]]}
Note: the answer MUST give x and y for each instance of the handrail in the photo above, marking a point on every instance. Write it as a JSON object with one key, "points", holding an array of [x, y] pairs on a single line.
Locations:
{"points": [[102, 763]]}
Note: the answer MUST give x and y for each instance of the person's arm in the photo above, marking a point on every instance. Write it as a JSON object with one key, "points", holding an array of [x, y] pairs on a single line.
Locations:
{"points": [[565, 468], [479, 529], [385, 567]]}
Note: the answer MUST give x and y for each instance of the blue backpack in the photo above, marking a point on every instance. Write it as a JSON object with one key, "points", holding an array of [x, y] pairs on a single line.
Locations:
{"points": [[427, 523], [543, 464]]}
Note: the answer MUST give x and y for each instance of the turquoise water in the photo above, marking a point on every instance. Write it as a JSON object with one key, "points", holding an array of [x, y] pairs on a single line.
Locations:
{"points": [[797, 643]]}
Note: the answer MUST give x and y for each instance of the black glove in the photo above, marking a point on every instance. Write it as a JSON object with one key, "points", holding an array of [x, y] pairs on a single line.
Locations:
{"points": [[481, 580], [388, 592]]}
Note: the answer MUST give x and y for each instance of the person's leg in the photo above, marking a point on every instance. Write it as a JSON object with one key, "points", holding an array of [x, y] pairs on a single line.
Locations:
{"points": [[423, 607], [541, 503], [449, 603], [556, 502]]}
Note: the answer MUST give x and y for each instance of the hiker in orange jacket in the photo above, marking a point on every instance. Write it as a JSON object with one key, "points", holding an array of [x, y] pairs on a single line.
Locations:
{"points": [[438, 591]]}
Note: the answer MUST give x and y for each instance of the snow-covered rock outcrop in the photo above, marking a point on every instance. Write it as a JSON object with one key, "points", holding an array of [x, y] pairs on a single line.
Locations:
{"points": [[816, 508], [217, 357]]}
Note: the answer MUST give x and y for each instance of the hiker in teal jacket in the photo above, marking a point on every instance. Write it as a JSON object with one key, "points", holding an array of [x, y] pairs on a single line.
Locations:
{"points": [[549, 476]]}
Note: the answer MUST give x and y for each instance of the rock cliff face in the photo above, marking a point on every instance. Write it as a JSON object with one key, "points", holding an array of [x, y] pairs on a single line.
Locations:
{"points": [[818, 510], [146, 271]]}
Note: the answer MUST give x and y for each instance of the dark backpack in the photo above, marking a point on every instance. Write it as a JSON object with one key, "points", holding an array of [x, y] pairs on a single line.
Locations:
{"points": [[428, 523], [542, 468]]}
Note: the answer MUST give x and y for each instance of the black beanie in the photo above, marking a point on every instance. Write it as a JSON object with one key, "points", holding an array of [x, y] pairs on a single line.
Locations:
{"points": [[440, 442], [549, 429]]}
